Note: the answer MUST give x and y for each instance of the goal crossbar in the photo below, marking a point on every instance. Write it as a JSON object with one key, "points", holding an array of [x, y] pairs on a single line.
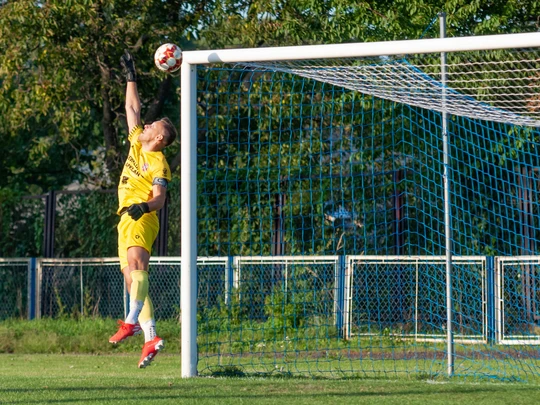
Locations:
{"points": [[351, 50]]}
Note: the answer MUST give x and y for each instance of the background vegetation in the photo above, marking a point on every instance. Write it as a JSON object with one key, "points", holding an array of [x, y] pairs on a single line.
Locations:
{"points": [[62, 121]]}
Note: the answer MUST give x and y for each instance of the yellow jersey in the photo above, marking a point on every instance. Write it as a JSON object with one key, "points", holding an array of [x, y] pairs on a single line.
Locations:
{"points": [[141, 171]]}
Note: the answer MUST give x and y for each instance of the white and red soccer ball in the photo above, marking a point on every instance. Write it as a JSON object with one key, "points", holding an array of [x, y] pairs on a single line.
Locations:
{"points": [[168, 58]]}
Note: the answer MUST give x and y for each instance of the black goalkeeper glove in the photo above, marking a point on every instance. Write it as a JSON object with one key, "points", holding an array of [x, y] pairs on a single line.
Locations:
{"points": [[128, 64], [136, 211]]}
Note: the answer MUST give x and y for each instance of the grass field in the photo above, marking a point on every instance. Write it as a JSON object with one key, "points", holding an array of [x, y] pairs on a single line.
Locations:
{"points": [[114, 379], [244, 353], [65, 361]]}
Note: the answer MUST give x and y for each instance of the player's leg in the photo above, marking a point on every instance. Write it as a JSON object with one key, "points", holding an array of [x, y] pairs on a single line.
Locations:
{"points": [[136, 276], [135, 242], [153, 343], [147, 320], [130, 259]]}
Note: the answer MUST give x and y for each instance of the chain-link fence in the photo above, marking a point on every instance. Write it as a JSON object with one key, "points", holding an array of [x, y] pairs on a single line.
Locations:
{"points": [[518, 311], [306, 281], [14, 288], [352, 295], [80, 287], [95, 287], [407, 297]]}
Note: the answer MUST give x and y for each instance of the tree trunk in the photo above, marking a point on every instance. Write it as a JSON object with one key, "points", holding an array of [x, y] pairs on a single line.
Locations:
{"points": [[156, 107]]}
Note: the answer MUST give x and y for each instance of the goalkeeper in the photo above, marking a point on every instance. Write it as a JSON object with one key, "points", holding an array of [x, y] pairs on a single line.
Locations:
{"points": [[141, 192]]}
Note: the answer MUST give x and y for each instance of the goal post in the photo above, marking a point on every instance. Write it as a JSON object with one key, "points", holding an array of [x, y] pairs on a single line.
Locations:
{"points": [[412, 85], [188, 282]]}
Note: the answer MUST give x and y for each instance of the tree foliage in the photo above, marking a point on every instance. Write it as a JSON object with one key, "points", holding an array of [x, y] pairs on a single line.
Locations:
{"points": [[61, 89], [62, 92], [285, 22]]}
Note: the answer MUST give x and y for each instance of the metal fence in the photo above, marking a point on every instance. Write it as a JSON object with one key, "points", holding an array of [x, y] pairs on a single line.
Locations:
{"points": [[517, 299], [95, 287], [406, 296], [79, 287], [494, 299], [49, 225], [14, 288], [311, 278]]}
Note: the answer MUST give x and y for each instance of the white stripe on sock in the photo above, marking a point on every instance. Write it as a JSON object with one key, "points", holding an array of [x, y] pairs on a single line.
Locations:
{"points": [[149, 328], [135, 307]]}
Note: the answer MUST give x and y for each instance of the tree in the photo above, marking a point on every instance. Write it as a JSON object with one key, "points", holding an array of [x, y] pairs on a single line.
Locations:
{"points": [[61, 89], [61, 99], [294, 22]]}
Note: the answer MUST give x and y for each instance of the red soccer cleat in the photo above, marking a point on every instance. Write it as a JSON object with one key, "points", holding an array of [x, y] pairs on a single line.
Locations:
{"points": [[149, 351], [126, 330]]}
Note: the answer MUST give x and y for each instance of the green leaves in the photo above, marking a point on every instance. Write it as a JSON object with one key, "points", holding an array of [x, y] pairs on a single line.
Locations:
{"points": [[62, 95], [59, 76]]}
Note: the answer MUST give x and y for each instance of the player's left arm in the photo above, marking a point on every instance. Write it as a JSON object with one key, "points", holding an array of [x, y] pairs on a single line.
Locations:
{"points": [[159, 194], [161, 177], [160, 183], [157, 201]]}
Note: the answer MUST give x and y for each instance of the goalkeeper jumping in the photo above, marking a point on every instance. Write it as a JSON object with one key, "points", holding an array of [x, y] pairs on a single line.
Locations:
{"points": [[141, 192]]}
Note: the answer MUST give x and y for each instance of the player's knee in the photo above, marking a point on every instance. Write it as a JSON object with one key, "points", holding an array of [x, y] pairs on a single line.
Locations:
{"points": [[136, 265], [137, 258]]}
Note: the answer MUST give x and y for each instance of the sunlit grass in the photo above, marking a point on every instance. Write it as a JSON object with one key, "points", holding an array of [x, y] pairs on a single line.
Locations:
{"points": [[254, 349], [115, 379]]}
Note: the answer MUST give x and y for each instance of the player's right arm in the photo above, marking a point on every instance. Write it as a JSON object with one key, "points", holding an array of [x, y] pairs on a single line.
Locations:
{"points": [[133, 103]]}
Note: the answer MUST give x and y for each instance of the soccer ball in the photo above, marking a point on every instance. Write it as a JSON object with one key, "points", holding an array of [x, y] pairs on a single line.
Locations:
{"points": [[168, 58]]}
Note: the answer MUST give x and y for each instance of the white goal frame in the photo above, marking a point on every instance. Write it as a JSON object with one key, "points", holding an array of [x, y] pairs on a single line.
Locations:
{"points": [[189, 138], [501, 318]]}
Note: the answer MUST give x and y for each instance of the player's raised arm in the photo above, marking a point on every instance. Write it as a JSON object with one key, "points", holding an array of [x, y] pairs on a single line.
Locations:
{"points": [[133, 103]]}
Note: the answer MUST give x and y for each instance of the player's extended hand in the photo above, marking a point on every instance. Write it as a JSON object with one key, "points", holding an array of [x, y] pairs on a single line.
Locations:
{"points": [[128, 64], [136, 211]]}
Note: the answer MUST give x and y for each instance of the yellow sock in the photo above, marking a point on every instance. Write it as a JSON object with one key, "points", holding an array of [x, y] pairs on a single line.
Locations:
{"points": [[139, 285], [139, 292], [147, 311]]}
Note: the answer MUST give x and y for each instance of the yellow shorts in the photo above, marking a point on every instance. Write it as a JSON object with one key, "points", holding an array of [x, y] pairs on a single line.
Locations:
{"points": [[141, 233]]}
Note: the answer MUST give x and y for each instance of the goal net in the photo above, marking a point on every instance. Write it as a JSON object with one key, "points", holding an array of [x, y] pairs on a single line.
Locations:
{"points": [[356, 174]]}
